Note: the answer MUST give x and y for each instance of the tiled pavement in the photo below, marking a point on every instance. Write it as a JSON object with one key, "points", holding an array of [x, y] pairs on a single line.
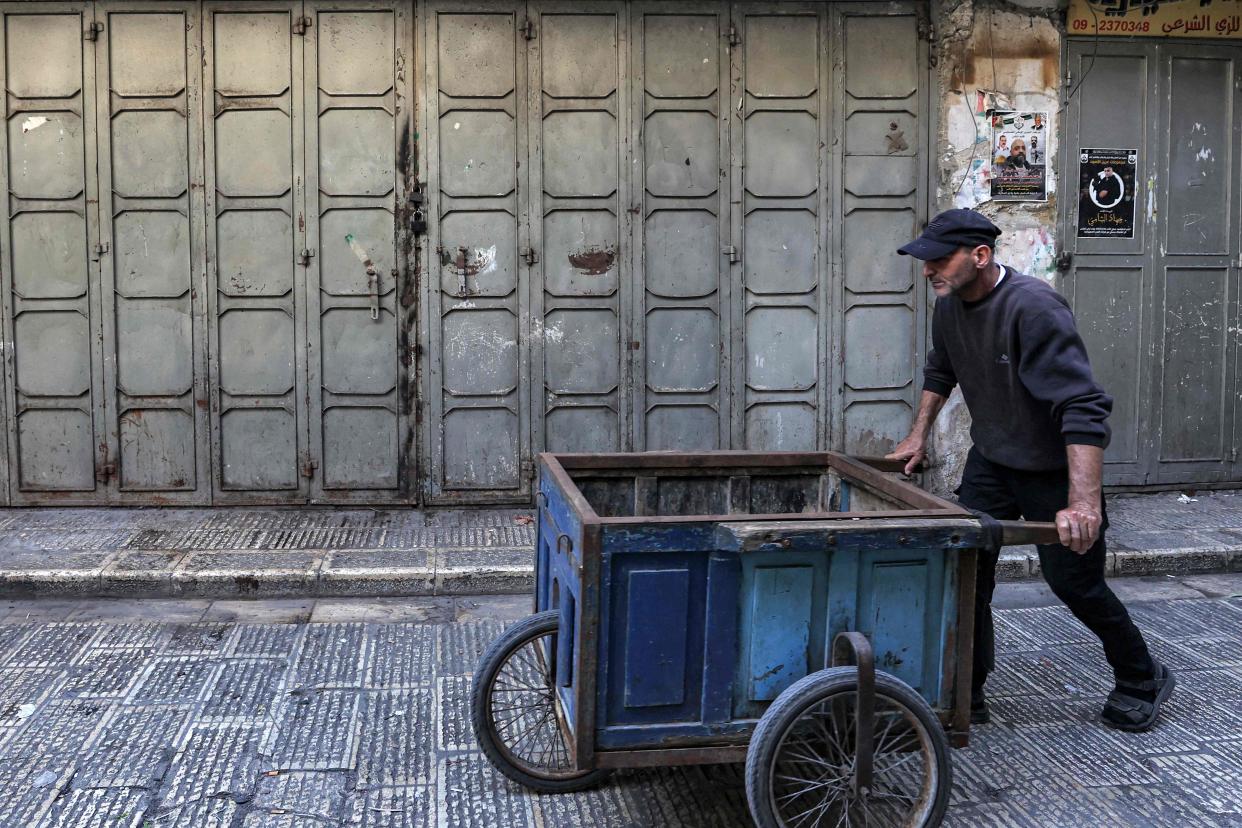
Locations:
{"points": [[195, 714], [248, 552]]}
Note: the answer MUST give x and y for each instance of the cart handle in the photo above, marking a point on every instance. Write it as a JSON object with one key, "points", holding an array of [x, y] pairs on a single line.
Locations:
{"points": [[1022, 532]]}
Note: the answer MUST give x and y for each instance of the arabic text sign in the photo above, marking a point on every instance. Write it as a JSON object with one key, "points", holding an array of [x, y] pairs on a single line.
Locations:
{"points": [[1216, 19]]}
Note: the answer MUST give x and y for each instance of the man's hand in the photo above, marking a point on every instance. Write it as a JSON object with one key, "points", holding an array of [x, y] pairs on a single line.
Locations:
{"points": [[1079, 526], [913, 450]]}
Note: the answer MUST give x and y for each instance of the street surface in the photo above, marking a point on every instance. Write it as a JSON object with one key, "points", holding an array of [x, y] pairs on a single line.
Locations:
{"points": [[273, 714]]}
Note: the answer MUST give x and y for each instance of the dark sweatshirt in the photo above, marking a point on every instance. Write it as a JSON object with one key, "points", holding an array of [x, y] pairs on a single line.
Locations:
{"points": [[1024, 373]]}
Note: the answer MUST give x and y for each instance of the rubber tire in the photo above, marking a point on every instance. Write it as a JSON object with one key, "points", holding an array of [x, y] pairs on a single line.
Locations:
{"points": [[797, 698], [500, 651]]}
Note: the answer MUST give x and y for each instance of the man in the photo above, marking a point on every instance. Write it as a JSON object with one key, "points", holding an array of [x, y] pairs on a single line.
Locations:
{"points": [[1040, 426]]}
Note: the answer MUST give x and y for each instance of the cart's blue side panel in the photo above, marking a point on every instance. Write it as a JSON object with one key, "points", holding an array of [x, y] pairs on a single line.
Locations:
{"points": [[558, 558], [695, 641]]}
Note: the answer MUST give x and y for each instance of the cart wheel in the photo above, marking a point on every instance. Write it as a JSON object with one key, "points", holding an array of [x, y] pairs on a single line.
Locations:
{"points": [[801, 761], [514, 709]]}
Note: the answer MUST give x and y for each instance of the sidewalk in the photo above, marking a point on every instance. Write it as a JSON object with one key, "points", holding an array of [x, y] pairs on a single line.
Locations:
{"points": [[190, 713], [312, 552]]}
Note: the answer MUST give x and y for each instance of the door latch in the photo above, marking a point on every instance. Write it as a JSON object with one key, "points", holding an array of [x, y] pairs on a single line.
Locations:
{"points": [[418, 216], [305, 256], [1065, 260], [530, 257], [730, 251]]}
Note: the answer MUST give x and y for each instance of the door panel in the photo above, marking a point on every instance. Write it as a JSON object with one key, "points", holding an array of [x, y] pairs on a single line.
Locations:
{"points": [[579, 193], [151, 206], [57, 441], [1159, 312], [1199, 126], [681, 197], [254, 150], [1110, 285], [477, 367], [882, 204], [354, 184], [781, 168]]}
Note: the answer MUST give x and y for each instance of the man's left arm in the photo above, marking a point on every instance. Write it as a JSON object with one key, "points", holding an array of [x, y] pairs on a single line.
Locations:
{"points": [[1078, 524], [1055, 368]]}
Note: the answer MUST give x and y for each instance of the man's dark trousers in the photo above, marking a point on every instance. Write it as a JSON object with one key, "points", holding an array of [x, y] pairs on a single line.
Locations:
{"points": [[1078, 580]]}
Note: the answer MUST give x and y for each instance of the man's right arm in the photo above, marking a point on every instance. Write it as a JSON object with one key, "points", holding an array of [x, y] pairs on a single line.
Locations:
{"points": [[913, 449], [938, 381]]}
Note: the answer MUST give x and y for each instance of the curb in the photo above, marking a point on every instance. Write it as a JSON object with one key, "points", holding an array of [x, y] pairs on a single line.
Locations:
{"points": [[442, 572]]}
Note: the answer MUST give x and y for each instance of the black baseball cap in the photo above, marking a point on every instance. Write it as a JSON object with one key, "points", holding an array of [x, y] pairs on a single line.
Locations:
{"points": [[950, 230]]}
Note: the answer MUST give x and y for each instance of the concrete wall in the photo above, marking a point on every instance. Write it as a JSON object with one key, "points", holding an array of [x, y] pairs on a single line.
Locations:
{"points": [[1010, 54]]}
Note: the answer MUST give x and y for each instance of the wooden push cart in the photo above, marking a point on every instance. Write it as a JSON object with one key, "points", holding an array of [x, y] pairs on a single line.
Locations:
{"points": [[803, 612]]}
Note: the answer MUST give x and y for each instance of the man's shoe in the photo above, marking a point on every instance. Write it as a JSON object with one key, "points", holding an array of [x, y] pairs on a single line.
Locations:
{"points": [[1135, 705], [979, 713]]}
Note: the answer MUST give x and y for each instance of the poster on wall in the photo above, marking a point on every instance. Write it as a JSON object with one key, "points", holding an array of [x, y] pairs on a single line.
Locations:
{"points": [[1106, 193], [1211, 19], [1019, 156]]}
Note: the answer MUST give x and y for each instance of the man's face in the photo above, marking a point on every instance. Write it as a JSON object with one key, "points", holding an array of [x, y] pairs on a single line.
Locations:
{"points": [[952, 273]]}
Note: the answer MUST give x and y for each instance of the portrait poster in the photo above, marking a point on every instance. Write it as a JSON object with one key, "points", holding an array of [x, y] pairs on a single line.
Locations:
{"points": [[1019, 156], [1106, 193]]}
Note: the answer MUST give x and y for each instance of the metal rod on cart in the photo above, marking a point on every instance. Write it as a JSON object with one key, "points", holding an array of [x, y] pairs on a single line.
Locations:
{"points": [[864, 711]]}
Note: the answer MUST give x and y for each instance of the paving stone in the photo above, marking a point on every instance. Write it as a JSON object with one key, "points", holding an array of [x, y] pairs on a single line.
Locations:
{"points": [[21, 687], [42, 610], [174, 680], [1195, 653], [602, 806], [245, 689], [139, 609], [997, 763], [29, 786], [10, 636], [383, 609], [412, 807], [131, 636], [316, 730], [304, 795], [263, 573], [52, 645], [456, 732], [1210, 720], [104, 673], [463, 801], [403, 655], [216, 760], [206, 813], [274, 640], [1051, 626], [398, 728], [1022, 712], [140, 574], [1205, 779], [332, 655], [1047, 675], [460, 646], [1185, 561], [134, 748], [199, 638], [1089, 761], [1062, 803], [410, 538], [262, 611], [691, 797], [60, 728]]}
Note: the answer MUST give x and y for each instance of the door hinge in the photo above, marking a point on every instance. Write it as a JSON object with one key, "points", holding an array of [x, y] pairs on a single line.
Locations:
{"points": [[308, 469], [530, 257], [304, 258], [93, 31], [528, 29], [101, 249], [1233, 455], [301, 24], [1065, 260], [1069, 78], [732, 36], [105, 472], [730, 251]]}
